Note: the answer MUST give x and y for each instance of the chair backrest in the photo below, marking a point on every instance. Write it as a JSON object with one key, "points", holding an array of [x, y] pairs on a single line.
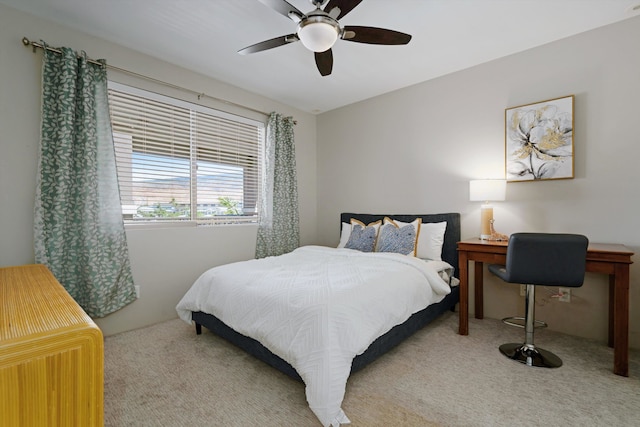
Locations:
{"points": [[547, 259]]}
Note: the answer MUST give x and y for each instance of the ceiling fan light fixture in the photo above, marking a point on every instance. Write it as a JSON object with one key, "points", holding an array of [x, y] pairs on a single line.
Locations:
{"points": [[319, 30], [318, 33]]}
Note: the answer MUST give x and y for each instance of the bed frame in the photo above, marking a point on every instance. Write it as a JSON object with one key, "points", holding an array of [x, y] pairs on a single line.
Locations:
{"points": [[385, 342]]}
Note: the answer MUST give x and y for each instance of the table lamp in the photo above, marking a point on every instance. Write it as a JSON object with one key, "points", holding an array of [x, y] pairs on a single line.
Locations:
{"points": [[487, 190]]}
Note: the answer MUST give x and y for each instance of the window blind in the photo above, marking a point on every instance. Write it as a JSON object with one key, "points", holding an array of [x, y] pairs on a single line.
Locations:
{"points": [[183, 162]]}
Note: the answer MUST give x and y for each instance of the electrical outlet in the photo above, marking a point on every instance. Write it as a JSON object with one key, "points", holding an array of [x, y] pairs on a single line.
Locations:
{"points": [[137, 291], [565, 294], [523, 290]]}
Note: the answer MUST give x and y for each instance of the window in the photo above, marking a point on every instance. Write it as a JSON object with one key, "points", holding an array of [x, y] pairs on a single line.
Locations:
{"points": [[179, 161]]}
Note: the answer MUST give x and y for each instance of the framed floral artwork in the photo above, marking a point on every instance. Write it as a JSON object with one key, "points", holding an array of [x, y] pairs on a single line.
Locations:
{"points": [[539, 140]]}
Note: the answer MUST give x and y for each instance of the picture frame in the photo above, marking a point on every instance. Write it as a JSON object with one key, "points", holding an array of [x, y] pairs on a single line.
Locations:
{"points": [[539, 140]]}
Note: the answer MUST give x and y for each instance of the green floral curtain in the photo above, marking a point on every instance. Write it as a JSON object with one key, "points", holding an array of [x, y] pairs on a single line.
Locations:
{"points": [[78, 226], [279, 230]]}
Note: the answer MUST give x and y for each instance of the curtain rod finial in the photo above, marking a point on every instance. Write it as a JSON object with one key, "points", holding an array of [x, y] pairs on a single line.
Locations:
{"points": [[27, 42]]}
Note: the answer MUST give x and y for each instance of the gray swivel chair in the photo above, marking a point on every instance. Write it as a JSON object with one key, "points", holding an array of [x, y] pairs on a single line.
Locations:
{"points": [[544, 259]]}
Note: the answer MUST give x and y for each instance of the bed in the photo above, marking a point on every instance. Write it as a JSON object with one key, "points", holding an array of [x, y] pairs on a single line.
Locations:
{"points": [[260, 345]]}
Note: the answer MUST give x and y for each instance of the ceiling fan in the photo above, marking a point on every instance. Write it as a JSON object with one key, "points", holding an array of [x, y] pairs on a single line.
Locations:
{"points": [[319, 30]]}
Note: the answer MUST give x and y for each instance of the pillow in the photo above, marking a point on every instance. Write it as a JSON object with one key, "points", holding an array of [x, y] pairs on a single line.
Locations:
{"points": [[345, 230], [399, 237], [363, 237], [431, 239], [344, 234]]}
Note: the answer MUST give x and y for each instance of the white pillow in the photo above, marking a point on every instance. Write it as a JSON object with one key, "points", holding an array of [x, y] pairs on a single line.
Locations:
{"points": [[344, 234], [431, 239]]}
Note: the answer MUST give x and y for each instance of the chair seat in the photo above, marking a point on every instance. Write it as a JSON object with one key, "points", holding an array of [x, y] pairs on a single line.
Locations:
{"points": [[499, 270]]}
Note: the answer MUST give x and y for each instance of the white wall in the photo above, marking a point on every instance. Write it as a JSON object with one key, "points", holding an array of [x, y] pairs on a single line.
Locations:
{"points": [[166, 261], [415, 150]]}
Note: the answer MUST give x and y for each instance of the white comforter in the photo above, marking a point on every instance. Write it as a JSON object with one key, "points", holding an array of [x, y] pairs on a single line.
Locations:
{"points": [[317, 308]]}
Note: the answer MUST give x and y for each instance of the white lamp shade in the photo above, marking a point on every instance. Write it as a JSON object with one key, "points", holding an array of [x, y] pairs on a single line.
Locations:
{"points": [[487, 190], [318, 36]]}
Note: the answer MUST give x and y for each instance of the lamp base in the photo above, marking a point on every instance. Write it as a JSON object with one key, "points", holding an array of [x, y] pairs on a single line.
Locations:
{"points": [[486, 216]]}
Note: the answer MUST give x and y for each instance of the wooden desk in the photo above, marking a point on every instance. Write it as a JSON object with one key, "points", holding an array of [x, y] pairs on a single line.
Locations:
{"points": [[611, 259]]}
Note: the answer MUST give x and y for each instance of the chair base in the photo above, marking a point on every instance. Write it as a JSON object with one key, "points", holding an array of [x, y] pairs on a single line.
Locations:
{"points": [[530, 355]]}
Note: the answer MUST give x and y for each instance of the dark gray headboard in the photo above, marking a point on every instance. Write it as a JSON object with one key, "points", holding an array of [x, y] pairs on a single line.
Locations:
{"points": [[451, 234]]}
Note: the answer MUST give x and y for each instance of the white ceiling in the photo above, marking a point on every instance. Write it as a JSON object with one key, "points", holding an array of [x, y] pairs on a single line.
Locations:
{"points": [[448, 35]]}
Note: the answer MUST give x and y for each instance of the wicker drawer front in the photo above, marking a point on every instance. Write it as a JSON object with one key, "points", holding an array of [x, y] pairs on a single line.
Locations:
{"points": [[51, 353]]}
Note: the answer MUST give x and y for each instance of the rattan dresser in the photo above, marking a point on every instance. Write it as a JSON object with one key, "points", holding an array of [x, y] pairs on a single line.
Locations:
{"points": [[51, 353]]}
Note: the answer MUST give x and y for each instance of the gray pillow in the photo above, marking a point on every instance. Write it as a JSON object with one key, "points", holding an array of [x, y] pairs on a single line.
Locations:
{"points": [[399, 240], [362, 238]]}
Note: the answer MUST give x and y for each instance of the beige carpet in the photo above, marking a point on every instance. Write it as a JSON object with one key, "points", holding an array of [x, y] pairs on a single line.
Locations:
{"points": [[166, 375]]}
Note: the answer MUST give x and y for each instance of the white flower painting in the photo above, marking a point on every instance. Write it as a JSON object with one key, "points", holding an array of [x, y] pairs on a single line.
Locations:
{"points": [[539, 140]]}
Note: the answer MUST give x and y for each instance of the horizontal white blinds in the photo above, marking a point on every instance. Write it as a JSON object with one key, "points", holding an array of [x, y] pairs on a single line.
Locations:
{"points": [[178, 163]]}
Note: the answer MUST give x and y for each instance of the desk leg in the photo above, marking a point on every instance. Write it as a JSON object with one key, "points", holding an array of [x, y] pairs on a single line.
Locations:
{"points": [[478, 284], [463, 266], [612, 308], [620, 319]]}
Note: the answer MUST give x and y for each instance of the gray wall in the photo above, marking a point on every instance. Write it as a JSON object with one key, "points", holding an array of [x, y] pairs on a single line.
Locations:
{"points": [[165, 261], [415, 150]]}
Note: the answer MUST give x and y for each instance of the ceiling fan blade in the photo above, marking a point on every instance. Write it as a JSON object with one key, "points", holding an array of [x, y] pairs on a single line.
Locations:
{"points": [[324, 61], [373, 35], [345, 7], [283, 7], [269, 44]]}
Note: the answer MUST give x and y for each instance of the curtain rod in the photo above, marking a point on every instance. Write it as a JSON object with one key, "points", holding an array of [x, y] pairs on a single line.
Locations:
{"points": [[200, 95]]}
